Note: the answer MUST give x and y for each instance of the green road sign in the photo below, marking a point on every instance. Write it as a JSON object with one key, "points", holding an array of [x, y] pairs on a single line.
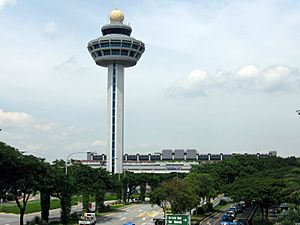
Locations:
{"points": [[178, 219]]}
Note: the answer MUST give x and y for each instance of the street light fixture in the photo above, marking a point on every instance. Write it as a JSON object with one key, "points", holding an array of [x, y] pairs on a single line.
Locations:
{"points": [[73, 153], [298, 111]]}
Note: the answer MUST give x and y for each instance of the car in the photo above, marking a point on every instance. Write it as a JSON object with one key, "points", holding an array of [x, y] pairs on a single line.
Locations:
{"points": [[239, 208], [231, 214], [226, 218], [243, 204], [87, 219], [231, 223], [233, 209], [129, 223]]}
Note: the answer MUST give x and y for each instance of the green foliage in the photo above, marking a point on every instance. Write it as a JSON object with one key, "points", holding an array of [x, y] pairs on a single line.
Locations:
{"points": [[21, 175], [292, 216], [176, 193]]}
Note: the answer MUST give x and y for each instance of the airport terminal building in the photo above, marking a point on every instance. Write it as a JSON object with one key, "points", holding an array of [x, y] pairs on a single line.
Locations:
{"points": [[168, 161]]}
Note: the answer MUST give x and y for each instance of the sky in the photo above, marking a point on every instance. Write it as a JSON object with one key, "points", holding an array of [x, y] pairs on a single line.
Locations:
{"points": [[219, 76]]}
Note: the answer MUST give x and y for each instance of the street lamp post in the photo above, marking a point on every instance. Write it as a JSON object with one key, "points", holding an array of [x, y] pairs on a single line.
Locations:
{"points": [[73, 153]]}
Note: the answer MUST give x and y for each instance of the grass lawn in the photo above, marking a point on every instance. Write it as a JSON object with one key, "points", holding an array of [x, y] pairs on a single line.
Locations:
{"points": [[33, 206]]}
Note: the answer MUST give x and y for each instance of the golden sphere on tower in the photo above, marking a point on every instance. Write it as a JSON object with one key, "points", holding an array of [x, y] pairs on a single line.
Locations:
{"points": [[116, 16]]}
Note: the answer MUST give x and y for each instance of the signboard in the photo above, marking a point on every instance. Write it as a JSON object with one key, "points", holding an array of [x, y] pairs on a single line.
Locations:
{"points": [[178, 219]]}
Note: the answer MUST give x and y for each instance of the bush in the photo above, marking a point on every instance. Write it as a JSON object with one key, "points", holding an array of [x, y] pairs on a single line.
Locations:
{"points": [[75, 216], [201, 210], [210, 207], [223, 202], [37, 221]]}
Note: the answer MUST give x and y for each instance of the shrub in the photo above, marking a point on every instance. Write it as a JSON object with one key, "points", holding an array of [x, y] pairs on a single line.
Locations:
{"points": [[37, 221]]}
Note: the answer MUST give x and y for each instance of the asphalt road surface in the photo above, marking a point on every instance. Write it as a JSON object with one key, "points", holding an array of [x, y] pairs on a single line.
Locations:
{"points": [[139, 214], [241, 217], [215, 219]]}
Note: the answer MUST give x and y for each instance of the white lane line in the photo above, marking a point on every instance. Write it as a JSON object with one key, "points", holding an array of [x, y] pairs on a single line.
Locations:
{"points": [[140, 210], [123, 218]]}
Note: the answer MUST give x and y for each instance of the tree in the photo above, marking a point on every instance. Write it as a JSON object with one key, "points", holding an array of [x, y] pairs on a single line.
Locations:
{"points": [[202, 185], [83, 176], [21, 175], [46, 188], [64, 188], [292, 216], [264, 190], [177, 194], [102, 182], [130, 182]]}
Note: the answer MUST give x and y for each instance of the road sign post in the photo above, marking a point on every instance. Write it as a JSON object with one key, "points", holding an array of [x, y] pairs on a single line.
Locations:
{"points": [[178, 219]]}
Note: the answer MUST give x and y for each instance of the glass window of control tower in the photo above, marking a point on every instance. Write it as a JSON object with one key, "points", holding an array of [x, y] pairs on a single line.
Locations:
{"points": [[126, 45], [115, 51], [124, 52], [104, 44], [106, 52], [115, 44]]}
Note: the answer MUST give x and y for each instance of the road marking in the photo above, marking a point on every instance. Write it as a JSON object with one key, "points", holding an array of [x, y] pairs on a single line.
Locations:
{"points": [[123, 218], [144, 214], [140, 210]]}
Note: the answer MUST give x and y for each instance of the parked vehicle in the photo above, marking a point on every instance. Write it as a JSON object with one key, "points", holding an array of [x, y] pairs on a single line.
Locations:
{"points": [[88, 219], [239, 208], [233, 210], [129, 223], [231, 223], [226, 218], [231, 214]]}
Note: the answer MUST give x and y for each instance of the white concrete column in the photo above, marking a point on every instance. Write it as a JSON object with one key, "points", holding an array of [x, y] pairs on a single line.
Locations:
{"points": [[115, 115]]}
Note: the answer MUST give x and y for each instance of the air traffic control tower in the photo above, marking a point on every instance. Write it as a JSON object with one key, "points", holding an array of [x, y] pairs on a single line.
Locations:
{"points": [[115, 50]]}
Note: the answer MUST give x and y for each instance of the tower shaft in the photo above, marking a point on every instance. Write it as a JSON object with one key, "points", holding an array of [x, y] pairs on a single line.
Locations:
{"points": [[116, 50], [115, 122]]}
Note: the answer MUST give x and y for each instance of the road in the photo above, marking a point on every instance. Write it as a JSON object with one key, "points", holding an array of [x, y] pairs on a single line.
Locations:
{"points": [[216, 219], [140, 214], [243, 217]]}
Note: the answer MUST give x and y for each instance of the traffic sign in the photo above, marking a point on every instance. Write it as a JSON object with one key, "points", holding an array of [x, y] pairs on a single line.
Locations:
{"points": [[178, 219]]}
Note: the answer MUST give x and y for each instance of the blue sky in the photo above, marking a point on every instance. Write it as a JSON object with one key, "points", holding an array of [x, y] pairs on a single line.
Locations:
{"points": [[217, 76]]}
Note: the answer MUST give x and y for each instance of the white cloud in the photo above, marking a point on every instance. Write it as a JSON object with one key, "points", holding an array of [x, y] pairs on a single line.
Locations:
{"points": [[192, 85], [272, 79], [34, 148], [70, 66], [11, 119], [22, 119], [50, 28], [45, 126], [99, 143], [4, 3]]}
